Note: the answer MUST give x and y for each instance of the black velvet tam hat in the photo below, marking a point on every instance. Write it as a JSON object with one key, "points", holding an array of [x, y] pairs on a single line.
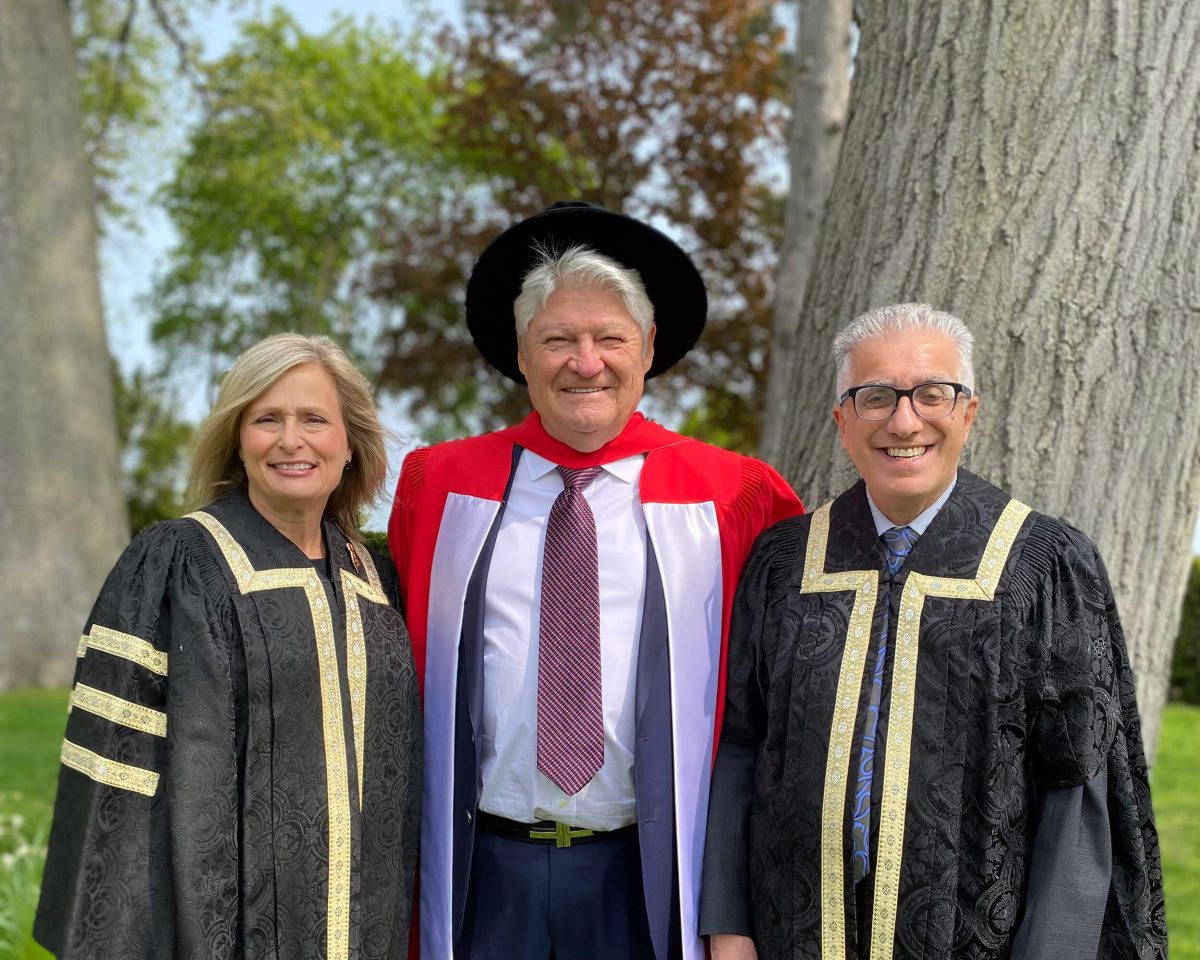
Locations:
{"points": [[672, 281]]}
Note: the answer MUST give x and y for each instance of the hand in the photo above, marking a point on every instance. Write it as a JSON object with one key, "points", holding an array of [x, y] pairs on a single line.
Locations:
{"points": [[731, 946]]}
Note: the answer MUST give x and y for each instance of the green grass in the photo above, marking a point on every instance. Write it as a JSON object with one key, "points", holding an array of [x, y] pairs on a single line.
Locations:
{"points": [[31, 729], [32, 724], [1175, 785]]}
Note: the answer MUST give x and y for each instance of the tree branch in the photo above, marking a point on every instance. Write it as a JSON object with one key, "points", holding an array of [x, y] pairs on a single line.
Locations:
{"points": [[188, 65]]}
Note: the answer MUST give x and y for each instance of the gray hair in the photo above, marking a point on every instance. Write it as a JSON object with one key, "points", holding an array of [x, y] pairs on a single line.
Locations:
{"points": [[900, 318], [580, 266]]}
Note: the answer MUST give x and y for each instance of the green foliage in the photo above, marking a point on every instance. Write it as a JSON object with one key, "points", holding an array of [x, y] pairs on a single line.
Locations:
{"points": [[122, 72], [377, 541], [129, 56], [672, 112], [343, 183], [305, 142], [154, 444], [717, 420], [1185, 670]]}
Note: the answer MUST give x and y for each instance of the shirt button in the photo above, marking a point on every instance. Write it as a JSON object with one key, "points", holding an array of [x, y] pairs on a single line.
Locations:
{"points": [[562, 804]]}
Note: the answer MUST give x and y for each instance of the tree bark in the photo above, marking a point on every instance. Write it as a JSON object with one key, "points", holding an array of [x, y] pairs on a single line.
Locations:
{"points": [[820, 96], [62, 516], [1032, 167]]}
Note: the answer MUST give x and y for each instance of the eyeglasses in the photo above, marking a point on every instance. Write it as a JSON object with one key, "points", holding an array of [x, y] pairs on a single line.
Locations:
{"points": [[930, 401]]}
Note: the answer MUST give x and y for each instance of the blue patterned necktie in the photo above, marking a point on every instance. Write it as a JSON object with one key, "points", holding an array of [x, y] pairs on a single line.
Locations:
{"points": [[897, 544]]}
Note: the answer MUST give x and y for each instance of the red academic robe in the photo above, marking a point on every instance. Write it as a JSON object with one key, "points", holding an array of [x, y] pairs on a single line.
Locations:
{"points": [[703, 508]]}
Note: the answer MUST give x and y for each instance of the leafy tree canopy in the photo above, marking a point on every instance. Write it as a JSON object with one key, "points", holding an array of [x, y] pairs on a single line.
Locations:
{"points": [[130, 56], [154, 440], [669, 111], [344, 183], [307, 145]]}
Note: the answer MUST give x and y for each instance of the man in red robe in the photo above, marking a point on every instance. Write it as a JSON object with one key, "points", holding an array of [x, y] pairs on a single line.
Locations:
{"points": [[567, 584]]}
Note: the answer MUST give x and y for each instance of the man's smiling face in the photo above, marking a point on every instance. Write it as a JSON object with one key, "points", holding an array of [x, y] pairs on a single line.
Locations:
{"points": [[585, 360], [907, 462]]}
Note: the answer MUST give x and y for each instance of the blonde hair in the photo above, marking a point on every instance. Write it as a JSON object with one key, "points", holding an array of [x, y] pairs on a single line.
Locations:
{"points": [[216, 467]]}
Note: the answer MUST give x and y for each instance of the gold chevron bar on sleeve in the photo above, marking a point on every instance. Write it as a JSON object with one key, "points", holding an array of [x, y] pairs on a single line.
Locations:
{"points": [[124, 712], [109, 772], [128, 647]]}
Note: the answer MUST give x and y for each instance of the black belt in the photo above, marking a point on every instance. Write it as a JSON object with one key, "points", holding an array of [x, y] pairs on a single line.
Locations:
{"points": [[544, 831]]}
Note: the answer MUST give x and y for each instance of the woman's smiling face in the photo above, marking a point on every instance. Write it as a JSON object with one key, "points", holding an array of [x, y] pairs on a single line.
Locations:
{"points": [[293, 443]]}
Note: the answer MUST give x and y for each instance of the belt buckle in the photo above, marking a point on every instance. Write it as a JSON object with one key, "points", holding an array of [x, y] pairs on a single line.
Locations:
{"points": [[562, 834]]}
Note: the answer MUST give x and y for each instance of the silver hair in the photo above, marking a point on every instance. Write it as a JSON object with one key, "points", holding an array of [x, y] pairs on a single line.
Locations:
{"points": [[899, 318], [581, 266]]}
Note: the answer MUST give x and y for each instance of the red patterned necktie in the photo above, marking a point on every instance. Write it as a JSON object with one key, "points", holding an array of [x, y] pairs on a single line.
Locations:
{"points": [[570, 717]]}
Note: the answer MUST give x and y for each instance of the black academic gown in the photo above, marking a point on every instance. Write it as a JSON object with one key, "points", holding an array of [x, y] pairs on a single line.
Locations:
{"points": [[241, 770], [1007, 697]]}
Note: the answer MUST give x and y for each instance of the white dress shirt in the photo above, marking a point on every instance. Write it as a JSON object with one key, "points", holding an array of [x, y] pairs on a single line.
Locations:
{"points": [[921, 522], [512, 785]]}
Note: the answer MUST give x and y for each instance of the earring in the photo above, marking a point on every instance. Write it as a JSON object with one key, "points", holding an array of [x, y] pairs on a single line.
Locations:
{"points": [[347, 466]]}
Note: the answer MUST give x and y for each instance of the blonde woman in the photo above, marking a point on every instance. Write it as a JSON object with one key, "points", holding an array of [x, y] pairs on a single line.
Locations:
{"points": [[241, 770]]}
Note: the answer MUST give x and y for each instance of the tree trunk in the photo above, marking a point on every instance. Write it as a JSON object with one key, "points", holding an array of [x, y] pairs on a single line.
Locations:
{"points": [[820, 94], [1032, 166], [62, 517]]}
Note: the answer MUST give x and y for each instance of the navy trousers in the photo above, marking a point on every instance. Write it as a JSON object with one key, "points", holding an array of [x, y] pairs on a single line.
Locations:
{"points": [[535, 901]]}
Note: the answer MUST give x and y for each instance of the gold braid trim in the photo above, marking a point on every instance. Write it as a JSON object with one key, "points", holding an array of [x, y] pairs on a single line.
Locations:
{"points": [[249, 580], [109, 772], [865, 584], [890, 845], [356, 658], [132, 715], [902, 710], [128, 647]]}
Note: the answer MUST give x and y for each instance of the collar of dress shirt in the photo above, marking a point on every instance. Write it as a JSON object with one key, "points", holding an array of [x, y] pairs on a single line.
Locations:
{"points": [[626, 470], [922, 521]]}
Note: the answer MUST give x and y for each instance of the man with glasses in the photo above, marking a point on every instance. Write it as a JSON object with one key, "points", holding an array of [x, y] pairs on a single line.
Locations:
{"points": [[930, 746]]}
